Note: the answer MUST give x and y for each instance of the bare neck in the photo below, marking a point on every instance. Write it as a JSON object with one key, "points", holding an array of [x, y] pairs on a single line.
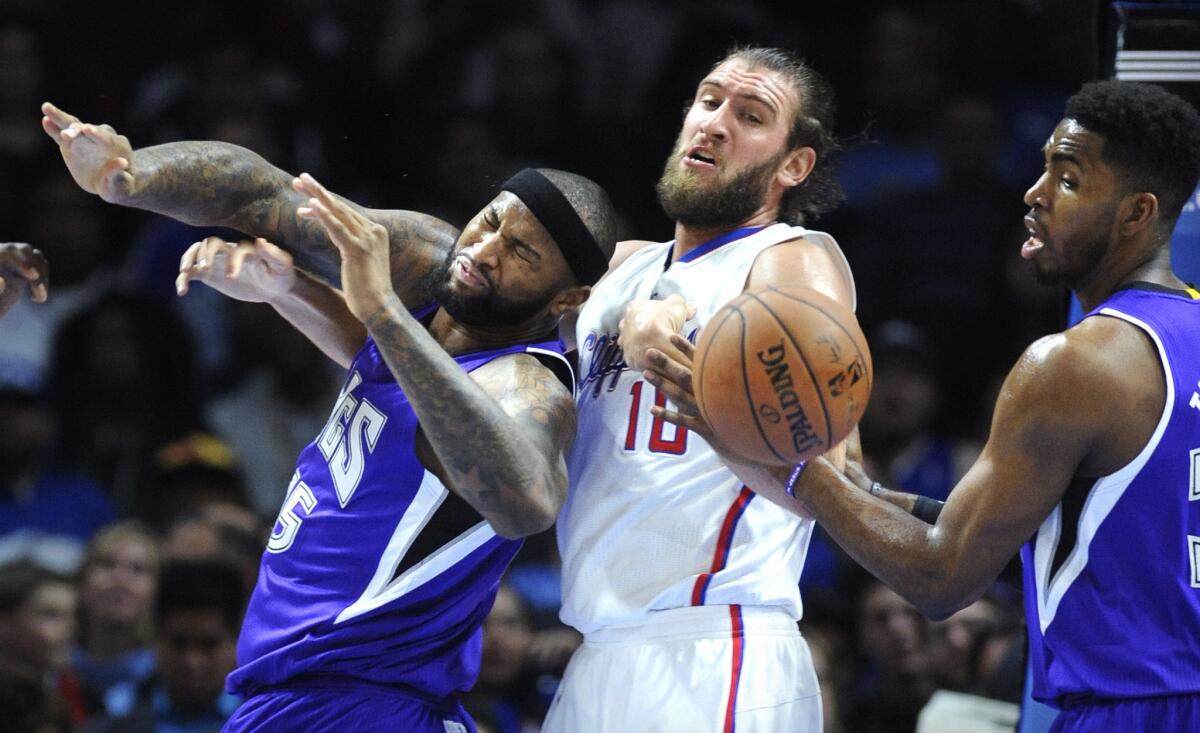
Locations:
{"points": [[1152, 267], [459, 338], [688, 237]]}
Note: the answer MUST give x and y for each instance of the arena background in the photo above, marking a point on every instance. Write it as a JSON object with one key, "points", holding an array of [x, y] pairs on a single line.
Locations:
{"points": [[429, 105]]}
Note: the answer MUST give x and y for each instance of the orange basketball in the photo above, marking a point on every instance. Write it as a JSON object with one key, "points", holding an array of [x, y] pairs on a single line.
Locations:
{"points": [[782, 376]]}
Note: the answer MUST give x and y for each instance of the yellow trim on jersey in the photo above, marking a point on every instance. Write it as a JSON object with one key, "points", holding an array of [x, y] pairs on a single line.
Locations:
{"points": [[1193, 292]]}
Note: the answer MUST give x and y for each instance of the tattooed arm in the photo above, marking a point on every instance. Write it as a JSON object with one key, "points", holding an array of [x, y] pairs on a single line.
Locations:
{"points": [[498, 436], [218, 184]]}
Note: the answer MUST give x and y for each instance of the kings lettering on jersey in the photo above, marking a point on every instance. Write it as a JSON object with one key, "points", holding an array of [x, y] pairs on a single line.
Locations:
{"points": [[374, 570]]}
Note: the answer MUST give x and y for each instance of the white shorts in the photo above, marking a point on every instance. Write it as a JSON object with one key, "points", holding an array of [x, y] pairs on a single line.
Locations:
{"points": [[705, 669]]}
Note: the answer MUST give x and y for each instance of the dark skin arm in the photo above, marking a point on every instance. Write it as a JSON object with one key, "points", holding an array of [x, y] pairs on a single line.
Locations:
{"points": [[1048, 427], [497, 436], [218, 184]]}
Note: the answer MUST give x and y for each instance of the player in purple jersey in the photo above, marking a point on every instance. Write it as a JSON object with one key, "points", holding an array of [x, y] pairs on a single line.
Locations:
{"points": [[445, 446], [1094, 449]]}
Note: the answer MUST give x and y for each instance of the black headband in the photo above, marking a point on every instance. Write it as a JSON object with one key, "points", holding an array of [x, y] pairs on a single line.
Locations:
{"points": [[568, 231]]}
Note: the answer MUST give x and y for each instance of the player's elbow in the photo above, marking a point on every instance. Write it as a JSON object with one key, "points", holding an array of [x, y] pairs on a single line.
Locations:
{"points": [[521, 524], [534, 515], [940, 609]]}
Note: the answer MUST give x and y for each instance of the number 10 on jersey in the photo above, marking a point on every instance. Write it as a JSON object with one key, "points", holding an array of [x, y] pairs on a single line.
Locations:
{"points": [[658, 443]]}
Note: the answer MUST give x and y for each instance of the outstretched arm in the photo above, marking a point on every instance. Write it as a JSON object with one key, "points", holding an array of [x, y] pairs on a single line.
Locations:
{"points": [[499, 435], [218, 184]]}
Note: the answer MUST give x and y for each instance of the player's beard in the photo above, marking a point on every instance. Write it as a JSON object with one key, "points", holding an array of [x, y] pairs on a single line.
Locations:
{"points": [[1079, 271], [489, 310], [727, 204]]}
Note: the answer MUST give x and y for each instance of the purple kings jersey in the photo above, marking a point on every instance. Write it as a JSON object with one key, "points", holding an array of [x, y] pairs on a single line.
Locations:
{"points": [[1112, 578], [374, 571]]}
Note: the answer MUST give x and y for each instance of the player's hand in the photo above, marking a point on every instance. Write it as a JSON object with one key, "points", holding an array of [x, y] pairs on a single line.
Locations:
{"points": [[256, 272], [650, 324], [363, 244], [671, 374], [21, 265], [97, 157]]}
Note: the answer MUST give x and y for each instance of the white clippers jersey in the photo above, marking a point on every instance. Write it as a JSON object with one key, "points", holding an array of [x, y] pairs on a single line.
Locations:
{"points": [[654, 520]]}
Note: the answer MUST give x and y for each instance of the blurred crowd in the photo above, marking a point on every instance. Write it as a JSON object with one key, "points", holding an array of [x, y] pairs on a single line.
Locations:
{"points": [[146, 441]]}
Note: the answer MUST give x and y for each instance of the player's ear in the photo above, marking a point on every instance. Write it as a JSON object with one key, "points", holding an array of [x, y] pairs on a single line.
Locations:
{"points": [[569, 299], [1138, 211], [799, 163]]}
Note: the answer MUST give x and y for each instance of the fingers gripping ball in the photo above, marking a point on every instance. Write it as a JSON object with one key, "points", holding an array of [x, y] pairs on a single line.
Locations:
{"points": [[782, 376]]}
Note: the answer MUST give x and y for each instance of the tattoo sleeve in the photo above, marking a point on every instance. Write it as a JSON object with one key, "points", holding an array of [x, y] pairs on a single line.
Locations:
{"points": [[501, 438], [208, 183]]}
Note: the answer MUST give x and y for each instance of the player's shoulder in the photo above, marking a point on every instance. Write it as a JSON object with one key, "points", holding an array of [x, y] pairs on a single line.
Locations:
{"points": [[809, 259], [1098, 356], [626, 249], [526, 370]]}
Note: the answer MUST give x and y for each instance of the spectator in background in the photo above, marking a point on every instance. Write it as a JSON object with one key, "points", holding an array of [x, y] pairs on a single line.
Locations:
{"points": [[893, 683], [280, 402], [519, 668], [901, 75], [36, 624], [899, 429], [21, 267], [193, 472], [213, 532], [23, 75], [967, 650], [46, 515], [198, 612], [124, 382], [82, 250], [117, 586]]}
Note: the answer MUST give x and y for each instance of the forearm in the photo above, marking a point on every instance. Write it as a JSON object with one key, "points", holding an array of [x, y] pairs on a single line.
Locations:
{"points": [[321, 314], [910, 555], [210, 183], [487, 459]]}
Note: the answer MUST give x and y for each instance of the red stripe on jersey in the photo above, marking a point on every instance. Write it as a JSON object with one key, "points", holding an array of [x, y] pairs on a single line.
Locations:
{"points": [[724, 542], [735, 616]]}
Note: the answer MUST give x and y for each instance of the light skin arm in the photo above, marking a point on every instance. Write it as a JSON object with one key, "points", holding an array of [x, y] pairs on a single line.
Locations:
{"points": [[22, 266], [260, 272], [498, 435], [211, 183]]}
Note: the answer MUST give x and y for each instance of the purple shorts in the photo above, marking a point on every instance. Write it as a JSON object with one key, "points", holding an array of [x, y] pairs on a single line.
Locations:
{"points": [[341, 708], [1132, 715]]}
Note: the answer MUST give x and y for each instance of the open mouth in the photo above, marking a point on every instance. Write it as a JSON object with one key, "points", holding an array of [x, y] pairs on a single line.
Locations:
{"points": [[700, 157], [468, 274], [1036, 239]]}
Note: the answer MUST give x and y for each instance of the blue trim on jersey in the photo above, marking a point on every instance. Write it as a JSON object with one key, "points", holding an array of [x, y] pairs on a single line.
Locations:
{"points": [[421, 311], [716, 242], [733, 531]]}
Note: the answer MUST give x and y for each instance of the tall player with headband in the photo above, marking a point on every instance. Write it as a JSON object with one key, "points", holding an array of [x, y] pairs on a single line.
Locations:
{"points": [[683, 580], [445, 446]]}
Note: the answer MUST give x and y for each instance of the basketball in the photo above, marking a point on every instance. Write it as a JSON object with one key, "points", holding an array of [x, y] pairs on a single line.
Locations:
{"points": [[782, 375]]}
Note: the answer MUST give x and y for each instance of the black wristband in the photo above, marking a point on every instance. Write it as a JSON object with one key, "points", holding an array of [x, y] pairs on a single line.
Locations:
{"points": [[927, 510]]}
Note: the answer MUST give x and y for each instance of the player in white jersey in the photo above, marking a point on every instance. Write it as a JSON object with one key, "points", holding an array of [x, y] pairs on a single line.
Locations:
{"points": [[682, 579]]}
